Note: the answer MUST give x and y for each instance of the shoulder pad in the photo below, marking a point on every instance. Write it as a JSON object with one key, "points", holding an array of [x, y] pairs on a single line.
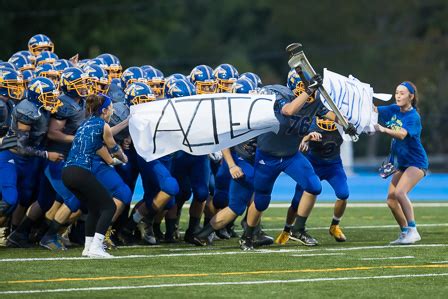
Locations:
{"points": [[121, 112], [281, 92], [27, 112], [68, 109]]}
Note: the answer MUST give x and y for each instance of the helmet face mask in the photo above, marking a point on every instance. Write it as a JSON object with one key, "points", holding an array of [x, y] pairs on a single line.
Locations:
{"points": [[326, 124], [225, 75], [98, 80], [42, 90], [138, 93], [297, 86], [39, 43], [11, 84]]}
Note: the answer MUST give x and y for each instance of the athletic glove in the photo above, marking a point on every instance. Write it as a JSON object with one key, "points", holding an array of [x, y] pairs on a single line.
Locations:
{"points": [[314, 84], [350, 130]]}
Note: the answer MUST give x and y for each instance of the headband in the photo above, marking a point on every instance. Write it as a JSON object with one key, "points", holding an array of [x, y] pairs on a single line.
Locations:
{"points": [[408, 86], [106, 103]]}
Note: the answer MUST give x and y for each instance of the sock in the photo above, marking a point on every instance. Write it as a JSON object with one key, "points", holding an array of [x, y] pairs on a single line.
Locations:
{"points": [[156, 227], [206, 220], [193, 224], [87, 242], [53, 229], [170, 228], [335, 220], [137, 217], [206, 231], [411, 223], [287, 227], [250, 232], [152, 212], [25, 226], [299, 225], [403, 229]]}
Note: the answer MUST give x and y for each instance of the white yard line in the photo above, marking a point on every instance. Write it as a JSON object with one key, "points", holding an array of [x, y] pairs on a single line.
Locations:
{"points": [[259, 251], [387, 258], [198, 284], [317, 254], [354, 204]]}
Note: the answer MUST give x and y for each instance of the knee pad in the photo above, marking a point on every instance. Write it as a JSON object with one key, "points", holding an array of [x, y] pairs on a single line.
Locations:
{"points": [[342, 194], [220, 200], [313, 185], [123, 194], [237, 208], [72, 203], [170, 186], [200, 194], [262, 201], [10, 195]]}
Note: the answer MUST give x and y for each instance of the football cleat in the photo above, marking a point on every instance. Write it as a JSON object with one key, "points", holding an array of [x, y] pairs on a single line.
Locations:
{"points": [[336, 232], [231, 231], [246, 244], [409, 237], [52, 243], [96, 251], [222, 234], [148, 236], [189, 237], [200, 242], [18, 240], [158, 232], [283, 238], [303, 238]]}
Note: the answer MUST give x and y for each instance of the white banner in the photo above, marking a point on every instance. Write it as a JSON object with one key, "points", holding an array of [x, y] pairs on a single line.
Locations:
{"points": [[200, 124]]}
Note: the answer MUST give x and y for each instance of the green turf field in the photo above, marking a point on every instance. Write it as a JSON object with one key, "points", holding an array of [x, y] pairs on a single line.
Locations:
{"points": [[364, 266]]}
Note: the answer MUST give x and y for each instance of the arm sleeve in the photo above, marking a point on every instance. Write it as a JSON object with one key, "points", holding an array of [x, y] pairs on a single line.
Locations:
{"points": [[26, 150]]}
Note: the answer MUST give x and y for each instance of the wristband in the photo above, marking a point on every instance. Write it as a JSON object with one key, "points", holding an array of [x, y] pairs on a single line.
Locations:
{"points": [[114, 149]]}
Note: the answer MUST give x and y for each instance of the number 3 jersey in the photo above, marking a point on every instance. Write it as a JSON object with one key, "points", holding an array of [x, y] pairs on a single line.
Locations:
{"points": [[292, 128], [329, 148]]}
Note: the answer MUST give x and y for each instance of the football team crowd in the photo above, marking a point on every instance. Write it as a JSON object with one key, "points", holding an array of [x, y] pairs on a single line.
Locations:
{"points": [[68, 167]]}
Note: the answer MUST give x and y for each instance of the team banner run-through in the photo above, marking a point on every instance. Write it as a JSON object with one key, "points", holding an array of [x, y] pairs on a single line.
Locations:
{"points": [[200, 124]]}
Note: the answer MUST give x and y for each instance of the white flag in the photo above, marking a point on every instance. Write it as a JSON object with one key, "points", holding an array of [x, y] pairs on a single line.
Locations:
{"points": [[354, 99], [200, 124]]}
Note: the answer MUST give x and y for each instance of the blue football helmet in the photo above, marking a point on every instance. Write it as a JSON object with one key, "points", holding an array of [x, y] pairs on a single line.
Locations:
{"points": [[8, 65], [48, 71], [138, 93], [39, 43], [43, 92], [225, 75], [27, 75], [11, 84], [61, 64], [243, 85], [98, 79], [295, 83], [155, 78], [253, 77], [21, 62], [202, 78], [28, 55], [74, 82], [82, 63], [97, 61], [180, 88], [132, 74], [171, 79], [112, 65], [46, 57]]}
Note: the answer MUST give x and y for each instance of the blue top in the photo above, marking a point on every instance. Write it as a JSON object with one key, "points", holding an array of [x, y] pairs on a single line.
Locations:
{"points": [[88, 139], [409, 151], [292, 128], [329, 148]]}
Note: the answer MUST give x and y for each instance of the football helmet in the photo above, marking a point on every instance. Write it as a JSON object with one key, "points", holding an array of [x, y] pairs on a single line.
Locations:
{"points": [[98, 79], [138, 93], [39, 43], [8, 65], [48, 71], [202, 78], [61, 64], [132, 74], [171, 79], [27, 76], [155, 79], [112, 65], [253, 77], [74, 82], [28, 55], [21, 62], [326, 124], [180, 88], [11, 84], [243, 85], [225, 75], [295, 83], [42, 91], [46, 57]]}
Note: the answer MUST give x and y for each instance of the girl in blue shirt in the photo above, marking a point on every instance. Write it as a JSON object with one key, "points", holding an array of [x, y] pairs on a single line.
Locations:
{"points": [[402, 122]]}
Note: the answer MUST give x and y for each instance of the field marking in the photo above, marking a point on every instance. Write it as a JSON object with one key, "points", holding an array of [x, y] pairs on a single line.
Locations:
{"points": [[257, 251], [358, 205], [322, 279], [245, 273], [316, 254], [387, 258]]}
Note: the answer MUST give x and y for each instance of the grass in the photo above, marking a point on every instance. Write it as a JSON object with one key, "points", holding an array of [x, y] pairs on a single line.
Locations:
{"points": [[364, 266]]}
